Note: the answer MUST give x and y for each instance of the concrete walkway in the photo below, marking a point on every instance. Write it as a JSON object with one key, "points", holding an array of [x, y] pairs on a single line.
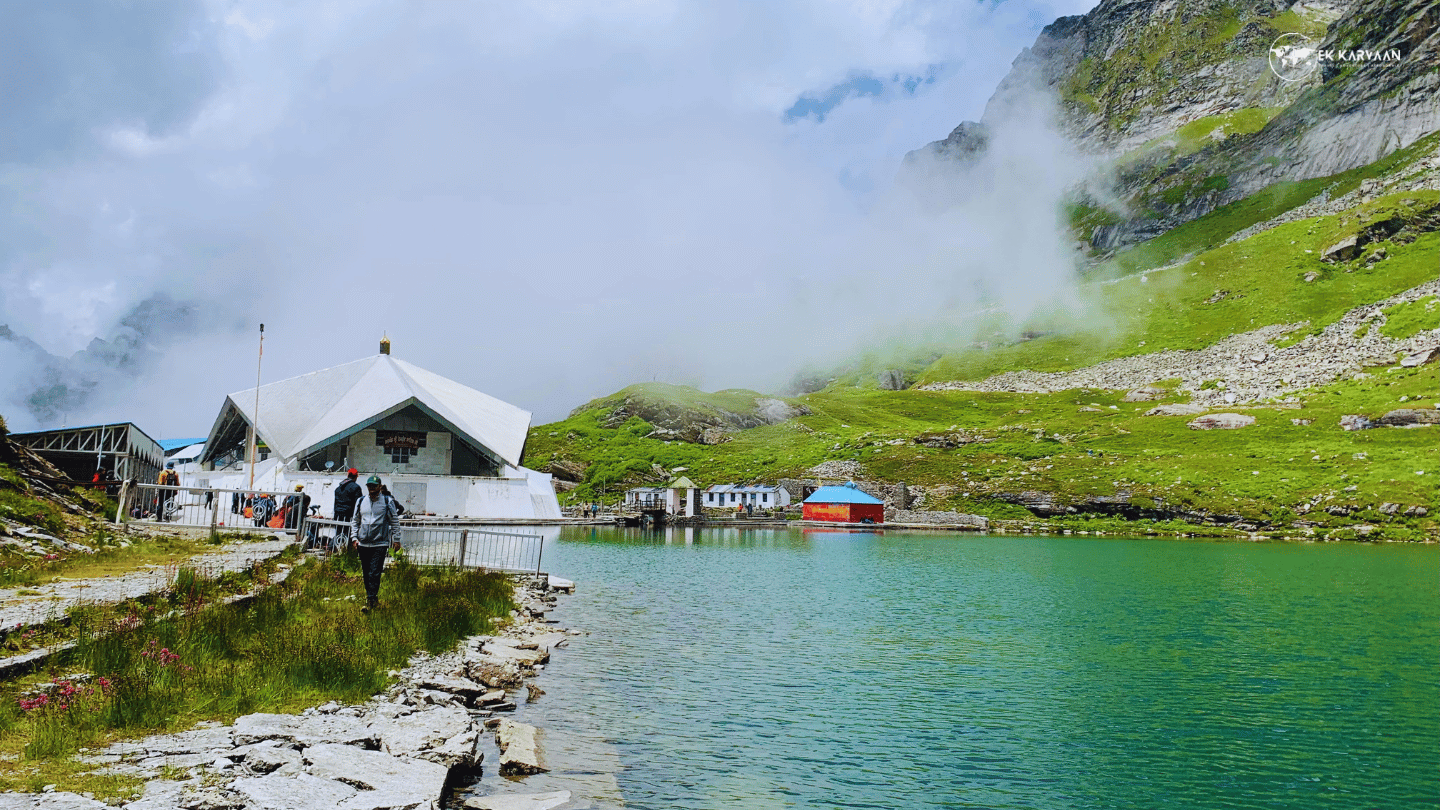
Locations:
{"points": [[17, 610]]}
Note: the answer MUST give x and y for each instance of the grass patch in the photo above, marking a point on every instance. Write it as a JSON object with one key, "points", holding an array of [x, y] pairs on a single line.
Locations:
{"points": [[298, 644], [31, 511], [1406, 320]]}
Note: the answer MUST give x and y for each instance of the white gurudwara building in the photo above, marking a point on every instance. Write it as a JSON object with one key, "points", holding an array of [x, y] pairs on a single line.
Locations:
{"points": [[442, 448]]}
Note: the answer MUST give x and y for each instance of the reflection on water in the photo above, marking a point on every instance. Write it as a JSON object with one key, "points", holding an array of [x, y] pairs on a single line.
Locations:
{"points": [[789, 668]]}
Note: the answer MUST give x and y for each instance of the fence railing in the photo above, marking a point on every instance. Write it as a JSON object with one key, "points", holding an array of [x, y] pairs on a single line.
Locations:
{"points": [[472, 548], [214, 509], [428, 543], [326, 534]]}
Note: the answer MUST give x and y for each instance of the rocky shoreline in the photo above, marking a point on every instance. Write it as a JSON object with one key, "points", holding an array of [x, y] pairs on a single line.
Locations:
{"points": [[408, 748]]}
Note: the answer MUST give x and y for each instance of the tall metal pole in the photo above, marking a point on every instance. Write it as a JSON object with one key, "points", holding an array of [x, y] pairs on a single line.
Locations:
{"points": [[255, 416]]}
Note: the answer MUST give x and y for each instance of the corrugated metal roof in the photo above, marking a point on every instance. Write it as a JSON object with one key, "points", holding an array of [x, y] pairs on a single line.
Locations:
{"points": [[849, 493], [682, 483], [175, 444], [304, 413]]}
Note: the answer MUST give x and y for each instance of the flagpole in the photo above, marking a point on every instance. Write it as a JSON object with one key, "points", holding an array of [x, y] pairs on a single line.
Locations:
{"points": [[255, 418]]}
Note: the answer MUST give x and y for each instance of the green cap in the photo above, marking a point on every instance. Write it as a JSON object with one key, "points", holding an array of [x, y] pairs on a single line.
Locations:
{"points": [[374, 479]]}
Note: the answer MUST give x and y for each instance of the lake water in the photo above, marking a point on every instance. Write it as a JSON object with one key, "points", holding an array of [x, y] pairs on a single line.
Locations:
{"points": [[790, 668]]}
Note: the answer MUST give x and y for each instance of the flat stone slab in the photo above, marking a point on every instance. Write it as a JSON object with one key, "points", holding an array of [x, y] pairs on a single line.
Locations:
{"points": [[519, 749], [519, 801], [549, 641], [414, 734], [274, 759], [48, 801], [298, 792], [160, 794], [384, 781], [302, 729], [189, 742], [519, 656], [453, 684]]}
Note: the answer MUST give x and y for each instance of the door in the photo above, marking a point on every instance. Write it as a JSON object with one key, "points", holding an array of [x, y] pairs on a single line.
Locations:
{"points": [[411, 495]]}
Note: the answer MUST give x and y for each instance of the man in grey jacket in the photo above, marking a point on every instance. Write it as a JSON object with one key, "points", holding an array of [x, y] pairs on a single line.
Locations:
{"points": [[375, 529]]}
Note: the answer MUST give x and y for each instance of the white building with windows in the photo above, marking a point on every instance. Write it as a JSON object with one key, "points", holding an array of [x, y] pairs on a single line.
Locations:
{"points": [[680, 497], [441, 447], [731, 496]]}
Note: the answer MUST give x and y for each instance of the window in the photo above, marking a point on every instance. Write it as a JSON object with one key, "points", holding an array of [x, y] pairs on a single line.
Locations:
{"points": [[710, 496], [732, 497], [765, 497]]}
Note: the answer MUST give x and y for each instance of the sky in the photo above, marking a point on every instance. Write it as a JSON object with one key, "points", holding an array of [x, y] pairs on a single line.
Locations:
{"points": [[546, 201]]}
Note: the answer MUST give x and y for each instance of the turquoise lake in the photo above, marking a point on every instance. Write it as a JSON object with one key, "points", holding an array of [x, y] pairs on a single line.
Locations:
{"points": [[790, 668]]}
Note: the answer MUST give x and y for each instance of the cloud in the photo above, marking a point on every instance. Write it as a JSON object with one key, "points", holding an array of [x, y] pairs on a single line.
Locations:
{"points": [[546, 201]]}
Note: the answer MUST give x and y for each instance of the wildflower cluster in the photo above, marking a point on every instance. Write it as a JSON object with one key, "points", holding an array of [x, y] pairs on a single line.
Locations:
{"points": [[162, 656], [64, 694]]}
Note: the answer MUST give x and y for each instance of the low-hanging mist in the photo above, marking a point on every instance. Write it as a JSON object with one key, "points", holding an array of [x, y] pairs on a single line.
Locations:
{"points": [[544, 202]]}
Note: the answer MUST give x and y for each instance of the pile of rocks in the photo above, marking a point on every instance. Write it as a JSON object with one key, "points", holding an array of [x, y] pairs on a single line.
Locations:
{"points": [[399, 751], [1248, 367]]}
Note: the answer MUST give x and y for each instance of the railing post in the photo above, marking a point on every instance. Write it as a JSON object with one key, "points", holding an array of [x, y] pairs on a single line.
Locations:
{"points": [[464, 538], [214, 513], [124, 492], [539, 553]]}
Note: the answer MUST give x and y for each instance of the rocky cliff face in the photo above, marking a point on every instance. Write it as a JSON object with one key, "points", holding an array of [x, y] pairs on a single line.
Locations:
{"points": [[1181, 97]]}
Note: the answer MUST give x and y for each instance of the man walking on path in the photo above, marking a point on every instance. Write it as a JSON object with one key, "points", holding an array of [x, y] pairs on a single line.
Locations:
{"points": [[346, 495], [376, 527]]}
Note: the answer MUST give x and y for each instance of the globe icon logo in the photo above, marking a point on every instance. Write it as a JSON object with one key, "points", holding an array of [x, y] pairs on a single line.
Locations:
{"points": [[1293, 57]]}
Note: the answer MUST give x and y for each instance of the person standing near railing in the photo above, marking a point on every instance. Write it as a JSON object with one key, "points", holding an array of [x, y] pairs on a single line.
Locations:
{"points": [[376, 529], [168, 478], [346, 496]]}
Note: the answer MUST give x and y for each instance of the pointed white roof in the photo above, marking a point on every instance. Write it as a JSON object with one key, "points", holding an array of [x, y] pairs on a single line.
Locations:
{"points": [[304, 413]]}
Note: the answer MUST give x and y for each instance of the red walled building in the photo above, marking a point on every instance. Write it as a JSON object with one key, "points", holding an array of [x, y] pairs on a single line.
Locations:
{"points": [[847, 504]]}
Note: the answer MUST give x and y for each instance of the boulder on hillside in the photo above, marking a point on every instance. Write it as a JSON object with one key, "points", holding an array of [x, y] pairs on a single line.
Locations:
{"points": [[1177, 409], [891, 379], [1145, 394], [566, 470], [1342, 251], [1420, 358], [1354, 421], [1221, 421], [1411, 417]]}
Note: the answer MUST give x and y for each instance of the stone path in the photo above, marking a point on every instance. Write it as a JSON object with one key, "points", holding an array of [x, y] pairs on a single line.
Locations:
{"points": [[19, 610]]}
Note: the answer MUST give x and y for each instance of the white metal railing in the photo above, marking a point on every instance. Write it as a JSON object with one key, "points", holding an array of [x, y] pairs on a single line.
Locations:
{"points": [[468, 547], [326, 534], [214, 509]]}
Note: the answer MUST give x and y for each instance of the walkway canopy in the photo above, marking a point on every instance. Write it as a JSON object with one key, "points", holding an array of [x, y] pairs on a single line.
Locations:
{"points": [[121, 450], [303, 415]]}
